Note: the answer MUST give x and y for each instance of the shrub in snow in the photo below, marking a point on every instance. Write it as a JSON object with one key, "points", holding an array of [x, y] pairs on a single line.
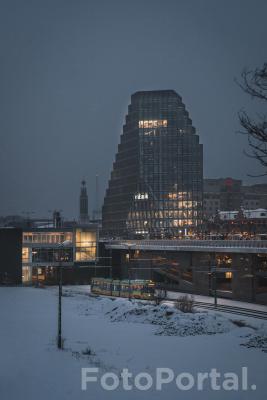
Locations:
{"points": [[88, 352], [160, 295], [185, 304], [257, 340]]}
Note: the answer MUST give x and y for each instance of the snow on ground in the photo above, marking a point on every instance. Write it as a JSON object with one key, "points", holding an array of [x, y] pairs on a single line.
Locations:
{"points": [[167, 319], [112, 334]]}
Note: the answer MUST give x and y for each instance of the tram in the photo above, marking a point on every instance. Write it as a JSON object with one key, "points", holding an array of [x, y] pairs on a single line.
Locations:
{"points": [[137, 289]]}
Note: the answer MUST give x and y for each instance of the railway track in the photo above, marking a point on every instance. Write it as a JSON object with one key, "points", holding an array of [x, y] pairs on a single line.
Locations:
{"points": [[246, 312]]}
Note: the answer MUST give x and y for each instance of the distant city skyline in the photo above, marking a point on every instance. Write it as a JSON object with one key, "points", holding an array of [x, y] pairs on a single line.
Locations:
{"points": [[68, 71]]}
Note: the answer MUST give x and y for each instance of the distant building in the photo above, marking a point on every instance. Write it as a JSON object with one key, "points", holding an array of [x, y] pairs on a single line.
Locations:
{"points": [[245, 223], [56, 221], [221, 194], [254, 196], [258, 214], [227, 194], [228, 215], [15, 221], [155, 187], [84, 216]]}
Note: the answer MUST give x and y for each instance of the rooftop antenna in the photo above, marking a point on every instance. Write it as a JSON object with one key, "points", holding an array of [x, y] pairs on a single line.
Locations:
{"points": [[56, 216], [96, 210], [84, 217]]}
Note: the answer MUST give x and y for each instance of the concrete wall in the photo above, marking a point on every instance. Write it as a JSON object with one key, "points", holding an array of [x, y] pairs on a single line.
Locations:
{"points": [[11, 256], [144, 265]]}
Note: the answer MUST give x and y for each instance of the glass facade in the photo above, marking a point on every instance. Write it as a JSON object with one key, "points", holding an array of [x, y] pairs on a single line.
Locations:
{"points": [[44, 237], [155, 187], [85, 245], [42, 251]]}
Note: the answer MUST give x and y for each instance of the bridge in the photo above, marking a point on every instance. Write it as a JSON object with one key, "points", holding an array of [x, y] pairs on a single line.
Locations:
{"points": [[216, 246]]}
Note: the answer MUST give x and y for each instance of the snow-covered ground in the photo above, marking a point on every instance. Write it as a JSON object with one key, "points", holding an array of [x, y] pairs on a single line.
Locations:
{"points": [[112, 334]]}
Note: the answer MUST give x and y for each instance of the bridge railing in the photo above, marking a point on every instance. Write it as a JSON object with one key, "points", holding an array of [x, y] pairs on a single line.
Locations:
{"points": [[259, 244]]}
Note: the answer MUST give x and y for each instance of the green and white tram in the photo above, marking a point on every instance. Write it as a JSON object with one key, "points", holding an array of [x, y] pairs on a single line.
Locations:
{"points": [[136, 289]]}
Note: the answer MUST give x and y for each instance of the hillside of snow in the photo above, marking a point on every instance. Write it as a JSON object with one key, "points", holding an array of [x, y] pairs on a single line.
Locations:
{"points": [[113, 334]]}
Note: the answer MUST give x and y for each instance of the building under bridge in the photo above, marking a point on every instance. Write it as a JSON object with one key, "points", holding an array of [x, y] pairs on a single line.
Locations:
{"points": [[237, 269]]}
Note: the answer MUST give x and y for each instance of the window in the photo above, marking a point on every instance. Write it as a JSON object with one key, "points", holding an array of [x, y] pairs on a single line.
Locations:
{"points": [[153, 123], [85, 245]]}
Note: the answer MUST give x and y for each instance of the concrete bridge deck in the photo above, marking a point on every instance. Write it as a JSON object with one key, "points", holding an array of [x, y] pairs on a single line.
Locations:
{"points": [[216, 246]]}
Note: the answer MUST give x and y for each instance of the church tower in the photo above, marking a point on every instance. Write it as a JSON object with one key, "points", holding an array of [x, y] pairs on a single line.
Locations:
{"points": [[84, 217]]}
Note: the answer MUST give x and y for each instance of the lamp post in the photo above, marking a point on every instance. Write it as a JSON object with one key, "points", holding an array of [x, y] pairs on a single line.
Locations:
{"points": [[214, 284], [59, 337], [213, 272], [129, 247], [129, 284], [59, 326]]}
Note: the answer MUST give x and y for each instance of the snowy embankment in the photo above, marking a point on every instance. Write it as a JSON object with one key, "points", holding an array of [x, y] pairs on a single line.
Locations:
{"points": [[169, 321], [112, 334]]}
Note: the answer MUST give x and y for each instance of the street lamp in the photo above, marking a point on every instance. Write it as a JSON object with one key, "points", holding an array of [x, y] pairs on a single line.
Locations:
{"points": [[214, 284], [129, 247], [61, 246]]}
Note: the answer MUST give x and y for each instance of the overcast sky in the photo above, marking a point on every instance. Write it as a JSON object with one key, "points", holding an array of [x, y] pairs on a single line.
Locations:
{"points": [[68, 69]]}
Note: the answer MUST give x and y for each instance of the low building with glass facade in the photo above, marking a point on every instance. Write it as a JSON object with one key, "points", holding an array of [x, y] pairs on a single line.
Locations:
{"points": [[44, 250], [155, 188]]}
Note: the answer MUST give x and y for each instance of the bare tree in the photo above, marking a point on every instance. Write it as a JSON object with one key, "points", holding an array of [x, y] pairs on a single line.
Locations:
{"points": [[254, 83]]}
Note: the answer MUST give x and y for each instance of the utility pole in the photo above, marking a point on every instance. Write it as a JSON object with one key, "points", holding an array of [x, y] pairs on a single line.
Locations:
{"points": [[214, 276], [129, 272], [215, 292], [59, 336], [66, 243], [129, 283]]}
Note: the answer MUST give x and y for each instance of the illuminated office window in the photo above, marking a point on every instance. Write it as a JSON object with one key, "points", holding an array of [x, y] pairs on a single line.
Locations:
{"points": [[153, 123], [85, 245]]}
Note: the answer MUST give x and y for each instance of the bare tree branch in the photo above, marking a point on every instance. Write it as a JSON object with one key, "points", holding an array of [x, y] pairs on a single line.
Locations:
{"points": [[254, 82]]}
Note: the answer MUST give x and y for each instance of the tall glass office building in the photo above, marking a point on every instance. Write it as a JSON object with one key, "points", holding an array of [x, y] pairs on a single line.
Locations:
{"points": [[155, 187]]}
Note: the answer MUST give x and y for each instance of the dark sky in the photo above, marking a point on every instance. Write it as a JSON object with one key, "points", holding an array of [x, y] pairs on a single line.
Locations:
{"points": [[68, 69]]}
